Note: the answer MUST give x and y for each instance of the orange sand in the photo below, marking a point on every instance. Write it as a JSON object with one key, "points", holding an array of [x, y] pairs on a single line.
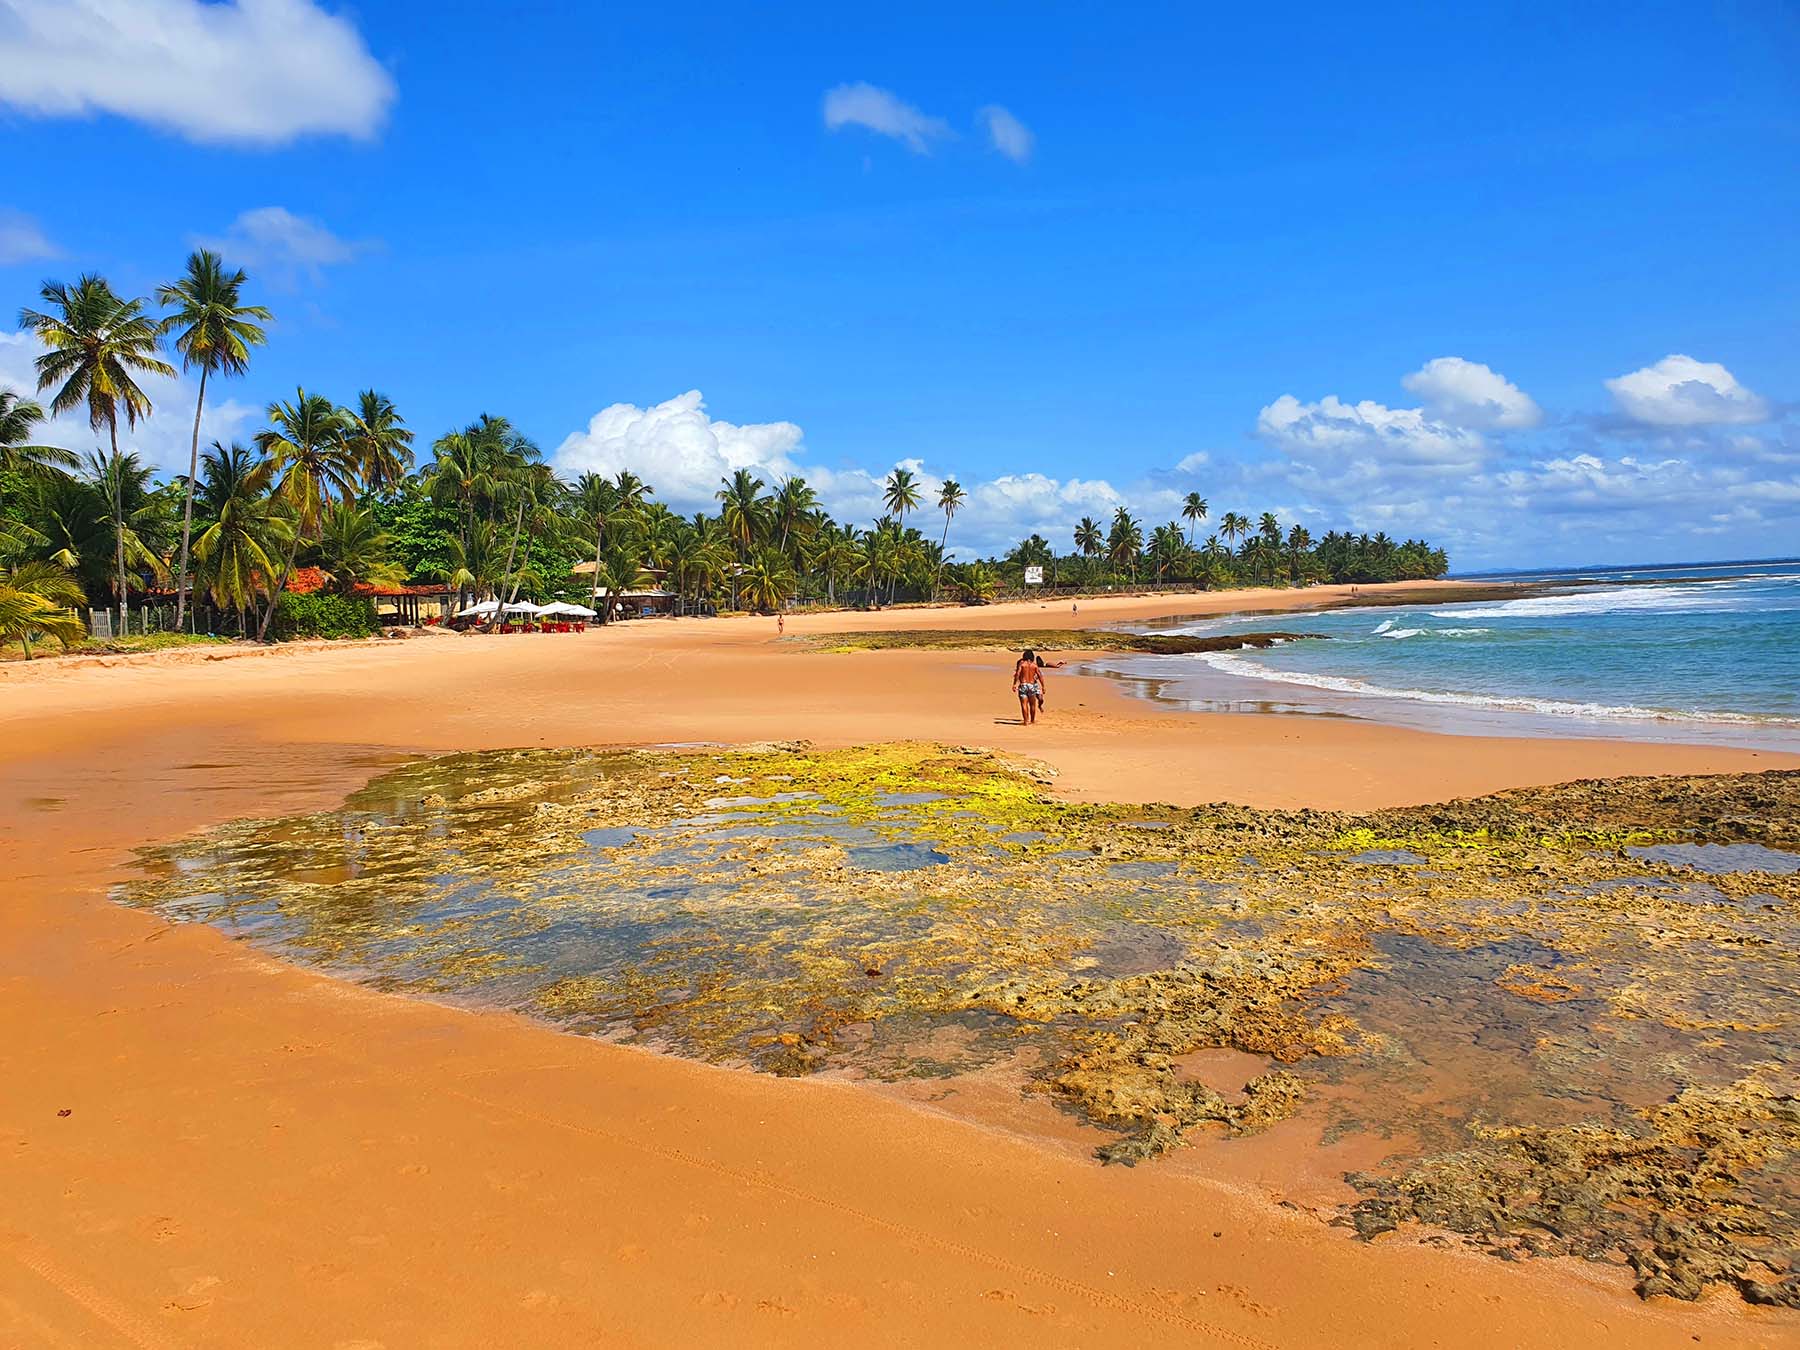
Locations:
{"points": [[257, 1155]]}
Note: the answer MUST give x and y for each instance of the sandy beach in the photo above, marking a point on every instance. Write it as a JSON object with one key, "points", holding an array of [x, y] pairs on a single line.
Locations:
{"points": [[205, 1146]]}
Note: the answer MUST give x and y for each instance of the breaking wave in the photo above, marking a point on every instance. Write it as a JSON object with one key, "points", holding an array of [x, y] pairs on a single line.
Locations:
{"points": [[1231, 663]]}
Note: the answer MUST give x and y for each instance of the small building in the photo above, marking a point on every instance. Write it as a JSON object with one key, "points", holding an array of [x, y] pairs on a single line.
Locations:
{"points": [[638, 604], [395, 606]]}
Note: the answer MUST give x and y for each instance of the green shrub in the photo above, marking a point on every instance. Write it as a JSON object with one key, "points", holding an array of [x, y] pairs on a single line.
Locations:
{"points": [[323, 615]]}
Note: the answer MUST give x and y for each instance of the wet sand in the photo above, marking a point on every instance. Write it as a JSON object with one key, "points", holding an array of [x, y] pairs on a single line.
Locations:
{"points": [[257, 1154]]}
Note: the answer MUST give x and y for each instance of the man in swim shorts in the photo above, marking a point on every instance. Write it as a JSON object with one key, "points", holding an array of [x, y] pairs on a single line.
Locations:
{"points": [[1028, 684]]}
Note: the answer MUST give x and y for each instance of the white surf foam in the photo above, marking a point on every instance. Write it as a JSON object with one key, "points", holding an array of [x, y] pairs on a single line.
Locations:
{"points": [[1642, 599], [1233, 664]]}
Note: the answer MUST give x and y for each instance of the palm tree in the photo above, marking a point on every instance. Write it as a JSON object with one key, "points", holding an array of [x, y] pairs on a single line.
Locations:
{"points": [[97, 342], [793, 505], [1168, 547], [354, 548], [1125, 541], [309, 441], [768, 580], [597, 498], [474, 561], [461, 475], [838, 560], [743, 511], [533, 487], [620, 569], [122, 482], [900, 495], [1232, 525], [379, 439], [632, 491], [1194, 509], [236, 553], [214, 332], [39, 598], [1088, 539], [1270, 529], [950, 500], [1299, 540], [18, 455]]}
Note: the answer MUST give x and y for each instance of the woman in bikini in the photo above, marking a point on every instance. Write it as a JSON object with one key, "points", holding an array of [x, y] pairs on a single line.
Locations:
{"points": [[1028, 684]]}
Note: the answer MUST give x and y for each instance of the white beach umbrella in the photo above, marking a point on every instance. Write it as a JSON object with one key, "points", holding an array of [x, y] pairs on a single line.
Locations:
{"points": [[563, 607], [481, 611], [522, 607]]}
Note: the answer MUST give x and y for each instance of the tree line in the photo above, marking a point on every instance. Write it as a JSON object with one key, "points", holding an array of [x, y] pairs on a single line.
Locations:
{"points": [[343, 489]]}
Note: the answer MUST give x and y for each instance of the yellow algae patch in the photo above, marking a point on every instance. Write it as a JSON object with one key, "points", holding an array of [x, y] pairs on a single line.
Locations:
{"points": [[1498, 986]]}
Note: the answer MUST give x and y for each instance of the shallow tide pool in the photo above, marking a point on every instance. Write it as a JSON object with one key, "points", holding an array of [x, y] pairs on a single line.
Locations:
{"points": [[1493, 990]]}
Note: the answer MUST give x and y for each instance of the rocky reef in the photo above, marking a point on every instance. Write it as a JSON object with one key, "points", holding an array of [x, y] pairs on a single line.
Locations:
{"points": [[1568, 1014], [1052, 640]]}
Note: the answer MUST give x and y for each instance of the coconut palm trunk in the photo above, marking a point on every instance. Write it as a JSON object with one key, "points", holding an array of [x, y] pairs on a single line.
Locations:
{"points": [[511, 548], [118, 487], [187, 507], [287, 570]]}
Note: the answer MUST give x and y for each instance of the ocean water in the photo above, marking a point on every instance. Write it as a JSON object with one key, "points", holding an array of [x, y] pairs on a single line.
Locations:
{"points": [[1707, 653]]}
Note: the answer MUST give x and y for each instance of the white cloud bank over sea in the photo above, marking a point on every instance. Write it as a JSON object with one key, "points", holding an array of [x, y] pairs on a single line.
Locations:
{"points": [[1478, 467]]}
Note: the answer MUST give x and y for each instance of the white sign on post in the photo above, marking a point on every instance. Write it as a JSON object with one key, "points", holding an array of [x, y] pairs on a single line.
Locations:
{"points": [[1034, 576]]}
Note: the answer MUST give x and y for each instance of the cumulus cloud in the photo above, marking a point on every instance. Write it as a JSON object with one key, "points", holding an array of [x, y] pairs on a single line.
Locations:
{"points": [[1333, 429], [1006, 133], [678, 448], [1679, 391], [22, 239], [884, 113], [162, 439], [288, 246], [251, 72], [1470, 394], [683, 452]]}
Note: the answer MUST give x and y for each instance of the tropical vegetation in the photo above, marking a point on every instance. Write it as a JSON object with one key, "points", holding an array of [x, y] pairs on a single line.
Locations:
{"points": [[342, 493]]}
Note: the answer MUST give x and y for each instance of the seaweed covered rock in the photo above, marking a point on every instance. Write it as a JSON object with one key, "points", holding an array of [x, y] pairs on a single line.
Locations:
{"points": [[1669, 1193]]}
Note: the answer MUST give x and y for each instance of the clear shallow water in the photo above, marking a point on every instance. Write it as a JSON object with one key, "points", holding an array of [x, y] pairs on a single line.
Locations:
{"points": [[1709, 653]]}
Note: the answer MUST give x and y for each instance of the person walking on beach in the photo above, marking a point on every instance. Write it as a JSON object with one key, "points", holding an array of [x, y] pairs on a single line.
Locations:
{"points": [[780, 623], [1028, 684]]}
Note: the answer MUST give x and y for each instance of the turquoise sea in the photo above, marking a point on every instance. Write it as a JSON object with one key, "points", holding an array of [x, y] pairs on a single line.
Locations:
{"points": [[1706, 652]]}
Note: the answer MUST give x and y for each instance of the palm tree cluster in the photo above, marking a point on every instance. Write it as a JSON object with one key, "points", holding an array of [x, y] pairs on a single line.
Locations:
{"points": [[334, 487], [1238, 552], [236, 523]]}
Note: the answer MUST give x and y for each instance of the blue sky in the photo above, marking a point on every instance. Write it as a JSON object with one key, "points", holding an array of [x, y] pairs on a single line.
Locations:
{"points": [[1523, 282]]}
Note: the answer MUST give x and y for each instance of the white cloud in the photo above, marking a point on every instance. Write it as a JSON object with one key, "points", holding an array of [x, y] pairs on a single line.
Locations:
{"points": [[22, 239], [254, 72], [683, 452], [1006, 133], [1679, 391], [163, 439], [1470, 394], [1334, 430], [678, 448], [1193, 463], [286, 245], [886, 114]]}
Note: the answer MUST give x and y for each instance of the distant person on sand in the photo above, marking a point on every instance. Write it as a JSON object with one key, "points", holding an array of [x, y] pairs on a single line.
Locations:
{"points": [[1028, 684], [780, 624]]}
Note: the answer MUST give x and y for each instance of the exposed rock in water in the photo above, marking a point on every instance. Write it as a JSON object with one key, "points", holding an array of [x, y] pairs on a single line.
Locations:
{"points": [[1668, 1192], [1058, 640]]}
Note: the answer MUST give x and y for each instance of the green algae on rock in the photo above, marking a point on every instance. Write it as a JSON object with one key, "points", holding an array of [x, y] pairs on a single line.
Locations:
{"points": [[1048, 640], [1501, 988]]}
